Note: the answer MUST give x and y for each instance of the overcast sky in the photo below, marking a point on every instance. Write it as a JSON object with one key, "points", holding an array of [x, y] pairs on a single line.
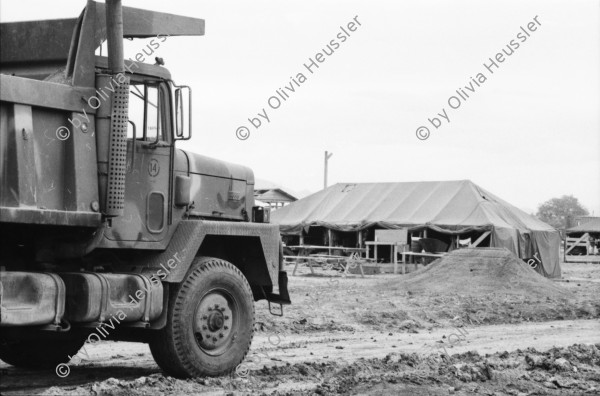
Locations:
{"points": [[529, 132]]}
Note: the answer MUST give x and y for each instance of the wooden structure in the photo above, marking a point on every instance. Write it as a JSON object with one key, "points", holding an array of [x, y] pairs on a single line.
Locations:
{"points": [[582, 242], [306, 255], [324, 260], [397, 240], [585, 243], [408, 257], [306, 249]]}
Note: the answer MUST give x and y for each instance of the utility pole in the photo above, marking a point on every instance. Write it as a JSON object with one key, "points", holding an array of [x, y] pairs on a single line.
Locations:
{"points": [[327, 156]]}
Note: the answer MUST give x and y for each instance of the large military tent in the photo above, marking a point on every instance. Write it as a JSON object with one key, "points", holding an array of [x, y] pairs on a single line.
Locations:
{"points": [[446, 207]]}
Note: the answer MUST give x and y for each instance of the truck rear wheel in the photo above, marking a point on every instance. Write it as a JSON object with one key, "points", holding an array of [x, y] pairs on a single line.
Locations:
{"points": [[210, 322], [36, 354]]}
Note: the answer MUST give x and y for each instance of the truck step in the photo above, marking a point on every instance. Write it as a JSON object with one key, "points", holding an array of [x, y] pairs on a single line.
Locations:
{"points": [[275, 312]]}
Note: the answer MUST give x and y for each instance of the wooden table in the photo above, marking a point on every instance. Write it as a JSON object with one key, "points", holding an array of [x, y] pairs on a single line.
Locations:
{"points": [[305, 248], [340, 260]]}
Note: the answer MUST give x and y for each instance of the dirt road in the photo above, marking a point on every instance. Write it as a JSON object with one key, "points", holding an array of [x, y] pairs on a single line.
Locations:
{"points": [[371, 336], [128, 361]]}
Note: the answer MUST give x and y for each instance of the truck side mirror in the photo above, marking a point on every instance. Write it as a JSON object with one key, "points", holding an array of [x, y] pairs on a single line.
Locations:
{"points": [[183, 105]]}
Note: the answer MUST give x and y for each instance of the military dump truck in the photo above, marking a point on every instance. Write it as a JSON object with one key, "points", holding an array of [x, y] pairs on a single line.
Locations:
{"points": [[108, 231]]}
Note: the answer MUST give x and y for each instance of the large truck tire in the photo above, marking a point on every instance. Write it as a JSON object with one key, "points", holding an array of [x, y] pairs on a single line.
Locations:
{"points": [[210, 322], [38, 354]]}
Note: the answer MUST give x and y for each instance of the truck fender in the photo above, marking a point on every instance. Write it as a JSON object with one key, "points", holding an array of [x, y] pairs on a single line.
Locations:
{"points": [[172, 264]]}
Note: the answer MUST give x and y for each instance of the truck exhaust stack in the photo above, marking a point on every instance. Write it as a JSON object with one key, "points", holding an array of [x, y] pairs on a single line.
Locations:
{"points": [[114, 35], [117, 160]]}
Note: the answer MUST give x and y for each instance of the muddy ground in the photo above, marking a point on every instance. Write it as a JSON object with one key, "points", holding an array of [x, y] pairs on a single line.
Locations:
{"points": [[376, 336]]}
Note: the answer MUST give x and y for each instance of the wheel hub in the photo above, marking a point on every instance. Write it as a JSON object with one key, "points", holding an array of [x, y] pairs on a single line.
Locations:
{"points": [[213, 322]]}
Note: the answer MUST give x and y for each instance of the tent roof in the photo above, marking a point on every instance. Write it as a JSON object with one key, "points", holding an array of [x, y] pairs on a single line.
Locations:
{"points": [[592, 225], [448, 205]]}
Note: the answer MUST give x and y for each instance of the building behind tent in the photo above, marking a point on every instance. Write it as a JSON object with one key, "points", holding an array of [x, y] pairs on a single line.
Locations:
{"points": [[582, 242], [274, 197]]}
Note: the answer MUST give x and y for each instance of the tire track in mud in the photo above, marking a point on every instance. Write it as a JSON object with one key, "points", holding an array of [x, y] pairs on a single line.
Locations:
{"points": [[296, 348]]}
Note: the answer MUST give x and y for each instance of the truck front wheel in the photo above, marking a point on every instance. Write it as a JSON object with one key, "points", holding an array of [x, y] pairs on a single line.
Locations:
{"points": [[210, 322]]}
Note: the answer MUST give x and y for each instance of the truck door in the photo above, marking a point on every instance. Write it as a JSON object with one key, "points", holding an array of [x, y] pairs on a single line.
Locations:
{"points": [[149, 142]]}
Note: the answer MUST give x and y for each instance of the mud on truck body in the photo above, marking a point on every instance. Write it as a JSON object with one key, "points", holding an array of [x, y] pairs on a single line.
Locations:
{"points": [[109, 229]]}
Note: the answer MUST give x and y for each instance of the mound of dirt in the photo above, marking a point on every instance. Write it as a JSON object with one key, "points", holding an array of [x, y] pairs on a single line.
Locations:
{"points": [[480, 272]]}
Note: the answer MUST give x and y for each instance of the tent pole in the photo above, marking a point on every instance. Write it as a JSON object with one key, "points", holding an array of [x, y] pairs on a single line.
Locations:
{"points": [[327, 156], [360, 241]]}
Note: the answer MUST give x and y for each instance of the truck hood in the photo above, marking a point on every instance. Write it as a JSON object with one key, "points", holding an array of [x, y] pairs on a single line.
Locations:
{"points": [[188, 162]]}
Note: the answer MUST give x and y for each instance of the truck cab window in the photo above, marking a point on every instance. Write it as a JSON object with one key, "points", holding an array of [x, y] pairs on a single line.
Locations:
{"points": [[153, 124], [136, 111], [146, 107]]}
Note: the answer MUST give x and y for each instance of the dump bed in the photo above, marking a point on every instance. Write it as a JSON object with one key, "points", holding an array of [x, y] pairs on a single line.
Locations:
{"points": [[48, 172], [55, 155]]}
